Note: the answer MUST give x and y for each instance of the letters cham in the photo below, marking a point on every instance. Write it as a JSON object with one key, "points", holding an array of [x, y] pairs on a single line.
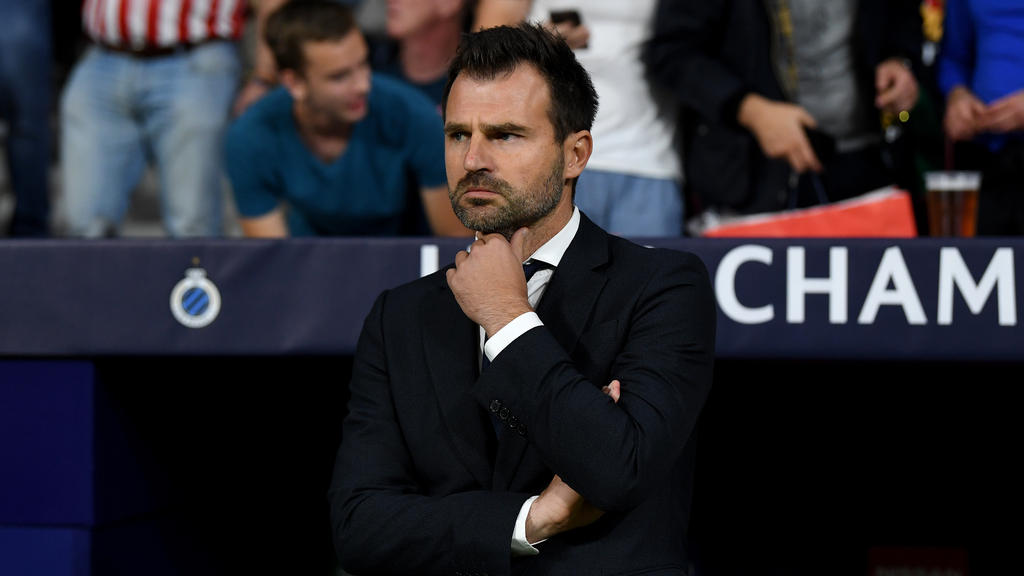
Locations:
{"points": [[954, 276]]}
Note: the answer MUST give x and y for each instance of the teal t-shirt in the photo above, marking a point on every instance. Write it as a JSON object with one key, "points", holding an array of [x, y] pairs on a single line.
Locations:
{"points": [[370, 190]]}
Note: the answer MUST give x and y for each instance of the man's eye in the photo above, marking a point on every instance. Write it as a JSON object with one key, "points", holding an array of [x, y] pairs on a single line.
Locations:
{"points": [[457, 136], [506, 136]]}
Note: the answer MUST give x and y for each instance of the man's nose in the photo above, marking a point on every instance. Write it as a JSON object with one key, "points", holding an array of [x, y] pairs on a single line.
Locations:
{"points": [[477, 155], [362, 80]]}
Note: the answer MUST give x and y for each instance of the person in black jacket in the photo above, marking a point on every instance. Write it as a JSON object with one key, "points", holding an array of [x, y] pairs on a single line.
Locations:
{"points": [[787, 101]]}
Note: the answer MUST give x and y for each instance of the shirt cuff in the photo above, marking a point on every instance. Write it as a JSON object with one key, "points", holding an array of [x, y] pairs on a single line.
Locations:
{"points": [[514, 329], [520, 546]]}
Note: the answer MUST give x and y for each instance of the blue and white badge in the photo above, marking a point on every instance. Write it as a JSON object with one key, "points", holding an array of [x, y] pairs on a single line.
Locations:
{"points": [[195, 300]]}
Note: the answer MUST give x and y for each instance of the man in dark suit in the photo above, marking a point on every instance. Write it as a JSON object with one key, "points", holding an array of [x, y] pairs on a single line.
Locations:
{"points": [[505, 425]]}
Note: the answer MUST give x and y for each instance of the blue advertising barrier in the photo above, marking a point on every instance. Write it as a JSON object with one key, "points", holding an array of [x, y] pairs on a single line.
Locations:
{"points": [[920, 299]]}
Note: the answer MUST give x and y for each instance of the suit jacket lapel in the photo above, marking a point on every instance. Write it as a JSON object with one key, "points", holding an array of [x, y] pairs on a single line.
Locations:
{"points": [[565, 308], [572, 293], [452, 365]]}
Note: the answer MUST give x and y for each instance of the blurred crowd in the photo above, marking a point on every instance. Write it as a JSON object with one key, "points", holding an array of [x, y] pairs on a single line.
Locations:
{"points": [[324, 117]]}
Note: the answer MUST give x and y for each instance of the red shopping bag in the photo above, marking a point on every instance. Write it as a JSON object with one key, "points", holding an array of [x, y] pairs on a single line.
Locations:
{"points": [[884, 213]]}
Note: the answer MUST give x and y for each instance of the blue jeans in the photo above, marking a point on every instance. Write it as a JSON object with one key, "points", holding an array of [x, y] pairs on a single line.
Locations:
{"points": [[631, 206], [118, 112], [26, 64]]}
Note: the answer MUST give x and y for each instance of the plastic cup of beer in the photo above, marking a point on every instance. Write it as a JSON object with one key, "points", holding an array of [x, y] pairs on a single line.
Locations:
{"points": [[952, 198]]}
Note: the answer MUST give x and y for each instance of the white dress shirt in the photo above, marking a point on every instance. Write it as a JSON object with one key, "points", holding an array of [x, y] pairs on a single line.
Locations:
{"points": [[551, 253]]}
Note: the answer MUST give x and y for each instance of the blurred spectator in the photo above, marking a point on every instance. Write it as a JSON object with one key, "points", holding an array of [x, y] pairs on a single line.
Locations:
{"points": [[156, 85], [981, 72], [787, 100], [632, 184], [331, 151], [25, 93], [421, 39], [262, 75]]}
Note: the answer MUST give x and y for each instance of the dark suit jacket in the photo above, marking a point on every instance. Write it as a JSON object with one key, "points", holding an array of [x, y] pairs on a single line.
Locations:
{"points": [[419, 487]]}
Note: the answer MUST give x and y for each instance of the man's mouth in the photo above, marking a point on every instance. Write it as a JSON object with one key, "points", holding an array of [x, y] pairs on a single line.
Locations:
{"points": [[479, 193], [481, 189], [357, 105]]}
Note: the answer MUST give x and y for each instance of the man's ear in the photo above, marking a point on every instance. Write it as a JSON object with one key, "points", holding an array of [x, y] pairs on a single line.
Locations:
{"points": [[294, 83], [578, 147]]}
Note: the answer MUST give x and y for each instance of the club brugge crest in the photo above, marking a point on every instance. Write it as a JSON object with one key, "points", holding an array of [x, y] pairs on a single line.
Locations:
{"points": [[195, 301]]}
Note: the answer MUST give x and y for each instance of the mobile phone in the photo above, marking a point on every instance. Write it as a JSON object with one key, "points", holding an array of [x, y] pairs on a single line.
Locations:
{"points": [[570, 16]]}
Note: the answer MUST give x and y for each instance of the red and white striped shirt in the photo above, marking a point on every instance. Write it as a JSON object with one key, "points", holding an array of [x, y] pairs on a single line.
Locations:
{"points": [[159, 23]]}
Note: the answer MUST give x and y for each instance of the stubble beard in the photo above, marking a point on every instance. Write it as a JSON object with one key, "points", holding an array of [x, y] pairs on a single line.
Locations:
{"points": [[331, 117], [522, 208]]}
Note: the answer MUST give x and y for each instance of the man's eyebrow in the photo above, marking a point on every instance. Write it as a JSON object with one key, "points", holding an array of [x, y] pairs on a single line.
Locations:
{"points": [[487, 129], [348, 69], [455, 127], [504, 128]]}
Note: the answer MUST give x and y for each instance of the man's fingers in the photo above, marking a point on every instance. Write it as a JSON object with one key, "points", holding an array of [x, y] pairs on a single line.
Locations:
{"points": [[1001, 104], [889, 97], [964, 115], [1002, 122], [799, 162], [459, 259], [613, 390], [813, 163], [895, 87], [882, 79], [885, 98], [802, 157], [963, 118], [1005, 114], [808, 159], [994, 116], [972, 112], [485, 238], [804, 160], [518, 243], [806, 119], [959, 128]]}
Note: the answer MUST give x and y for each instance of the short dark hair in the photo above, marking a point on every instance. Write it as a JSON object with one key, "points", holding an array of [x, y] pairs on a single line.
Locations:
{"points": [[301, 21], [498, 51]]}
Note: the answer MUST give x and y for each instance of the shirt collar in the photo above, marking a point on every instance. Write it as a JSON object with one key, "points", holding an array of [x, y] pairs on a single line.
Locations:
{"points": [[552, 251]]}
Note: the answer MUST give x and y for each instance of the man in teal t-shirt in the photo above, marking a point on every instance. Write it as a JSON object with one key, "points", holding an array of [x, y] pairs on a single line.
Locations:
{"points": [[335, 150]]}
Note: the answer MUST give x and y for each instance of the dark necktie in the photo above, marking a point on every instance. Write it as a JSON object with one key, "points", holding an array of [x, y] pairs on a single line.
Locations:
{"points": [[529, 269], [534, 266]]}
